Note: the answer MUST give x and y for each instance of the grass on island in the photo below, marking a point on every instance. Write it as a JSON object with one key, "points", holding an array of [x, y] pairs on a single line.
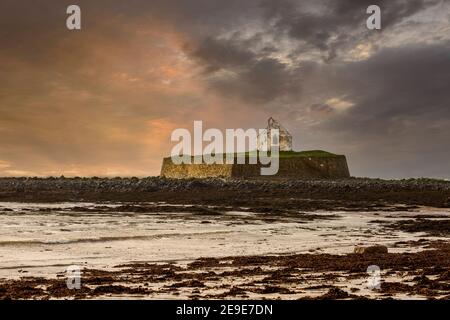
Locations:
{"points": [[292, 154], [307, 154], [301, 154]]}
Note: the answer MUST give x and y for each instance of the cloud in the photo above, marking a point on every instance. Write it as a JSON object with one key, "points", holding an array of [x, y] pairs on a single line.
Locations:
{"points": [[329, 26], [401, 113], [232, 70], [321, 108], [101, 101]]}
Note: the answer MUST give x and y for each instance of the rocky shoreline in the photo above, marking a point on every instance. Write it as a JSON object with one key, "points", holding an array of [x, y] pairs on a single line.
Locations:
{"points": [[422, 274], [415, 266], [343, 194]]}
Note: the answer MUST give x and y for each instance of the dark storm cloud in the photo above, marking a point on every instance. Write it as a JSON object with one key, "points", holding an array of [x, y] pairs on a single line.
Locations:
{"points": [[411, 80], [244, 65], [337, 22], [400, 121], [250, 75]]}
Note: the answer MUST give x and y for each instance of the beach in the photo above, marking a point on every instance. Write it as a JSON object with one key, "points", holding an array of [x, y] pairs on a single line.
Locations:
{"points": [[218, 239]]}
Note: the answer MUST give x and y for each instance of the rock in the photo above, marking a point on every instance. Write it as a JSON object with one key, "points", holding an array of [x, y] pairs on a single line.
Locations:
{"points": [[377, 249]]}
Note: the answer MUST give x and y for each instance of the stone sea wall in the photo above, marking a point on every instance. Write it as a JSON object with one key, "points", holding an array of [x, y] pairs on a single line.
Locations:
{"points": [[183, 171], [295, 167]]}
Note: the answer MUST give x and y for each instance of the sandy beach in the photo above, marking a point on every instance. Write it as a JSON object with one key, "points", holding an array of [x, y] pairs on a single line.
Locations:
{"points": [[221, 248]]}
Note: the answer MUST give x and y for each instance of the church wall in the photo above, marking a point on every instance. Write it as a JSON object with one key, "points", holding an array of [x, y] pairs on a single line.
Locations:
{"points": [[299, 167]]}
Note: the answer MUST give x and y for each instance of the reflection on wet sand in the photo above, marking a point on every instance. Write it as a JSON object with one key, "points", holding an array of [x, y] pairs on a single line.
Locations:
{"points": [[158, 250]]}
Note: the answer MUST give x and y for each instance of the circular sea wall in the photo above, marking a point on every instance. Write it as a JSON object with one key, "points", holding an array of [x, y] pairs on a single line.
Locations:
{"points": [[306, 164]]}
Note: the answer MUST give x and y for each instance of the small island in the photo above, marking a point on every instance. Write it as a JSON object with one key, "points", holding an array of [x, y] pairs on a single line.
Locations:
{"points": [[312, 164]]}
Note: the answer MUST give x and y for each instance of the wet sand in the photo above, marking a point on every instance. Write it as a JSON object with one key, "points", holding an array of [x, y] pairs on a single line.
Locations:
{"points": [[223, 240], [424, 274]]}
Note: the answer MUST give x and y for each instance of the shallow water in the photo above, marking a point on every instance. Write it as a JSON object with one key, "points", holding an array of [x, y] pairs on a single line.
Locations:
{"points": [[42, 239]]}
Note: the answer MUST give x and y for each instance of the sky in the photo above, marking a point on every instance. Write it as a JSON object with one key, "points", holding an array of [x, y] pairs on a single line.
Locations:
{"points": [[103, 100]]}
